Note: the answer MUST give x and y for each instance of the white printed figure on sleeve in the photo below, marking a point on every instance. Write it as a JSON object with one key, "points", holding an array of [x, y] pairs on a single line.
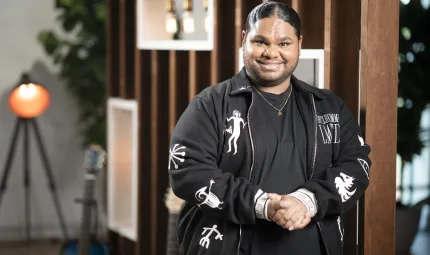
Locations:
{"points": [[340, 229], [343, 185], [205, 241], [176, 154], [208, 198], [361, 140], [235, 132], [365, 166]]}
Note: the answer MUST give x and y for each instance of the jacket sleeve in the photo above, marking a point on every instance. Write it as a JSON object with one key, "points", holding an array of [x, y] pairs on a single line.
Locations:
{"points": [[339, 187], [194, 173]]}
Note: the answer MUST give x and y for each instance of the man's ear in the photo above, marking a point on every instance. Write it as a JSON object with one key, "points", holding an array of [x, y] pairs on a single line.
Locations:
{"points": [[300, 43], [243, 37]]}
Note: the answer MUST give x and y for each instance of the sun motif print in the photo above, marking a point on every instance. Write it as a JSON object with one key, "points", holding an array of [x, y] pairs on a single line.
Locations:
{"points": [[343, 186], [176, 153], [235, 131]]}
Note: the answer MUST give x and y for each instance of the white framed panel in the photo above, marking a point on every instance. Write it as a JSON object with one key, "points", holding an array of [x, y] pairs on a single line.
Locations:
{"points": [[310, 68], [122, 148], [151, 30]]}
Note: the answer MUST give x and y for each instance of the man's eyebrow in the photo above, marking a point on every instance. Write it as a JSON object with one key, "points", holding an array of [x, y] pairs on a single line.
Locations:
{"points": [[262, 37]]}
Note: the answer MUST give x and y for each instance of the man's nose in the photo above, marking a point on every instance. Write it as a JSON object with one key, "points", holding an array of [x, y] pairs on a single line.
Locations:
{"points": [[272, 51]]}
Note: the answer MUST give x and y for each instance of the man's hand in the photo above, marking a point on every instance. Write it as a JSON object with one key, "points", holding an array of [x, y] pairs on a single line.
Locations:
{"points": [[288, 212]]}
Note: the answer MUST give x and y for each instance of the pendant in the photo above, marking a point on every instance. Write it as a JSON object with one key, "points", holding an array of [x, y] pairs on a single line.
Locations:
{"points": [[279, 113]]}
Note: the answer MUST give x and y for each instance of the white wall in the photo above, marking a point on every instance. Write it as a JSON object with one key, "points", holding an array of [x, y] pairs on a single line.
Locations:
{"points": [[20, 21]]}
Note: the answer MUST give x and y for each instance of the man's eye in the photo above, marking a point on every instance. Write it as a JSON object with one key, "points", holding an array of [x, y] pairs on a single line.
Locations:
{"points": [[284, 44], [259, 42]]}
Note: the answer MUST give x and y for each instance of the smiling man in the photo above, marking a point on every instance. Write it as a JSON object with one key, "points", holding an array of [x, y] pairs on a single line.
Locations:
{"points": [[266, 163]]}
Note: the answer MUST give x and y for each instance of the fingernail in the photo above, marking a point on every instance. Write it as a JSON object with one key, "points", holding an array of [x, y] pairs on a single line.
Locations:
{"points": [[291, 228]]}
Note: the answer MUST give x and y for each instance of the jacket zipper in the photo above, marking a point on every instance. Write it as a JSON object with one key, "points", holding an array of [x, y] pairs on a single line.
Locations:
{"points": [[314, 159], [252, 164]]}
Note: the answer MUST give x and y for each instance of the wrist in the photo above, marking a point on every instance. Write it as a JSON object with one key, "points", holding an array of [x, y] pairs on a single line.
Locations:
{"points": [[261, 204], [308, 199]]}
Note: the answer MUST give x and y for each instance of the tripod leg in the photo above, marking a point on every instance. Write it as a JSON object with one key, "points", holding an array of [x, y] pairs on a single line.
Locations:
{"points": [[11, 153], [27, 179], [52, 187]]}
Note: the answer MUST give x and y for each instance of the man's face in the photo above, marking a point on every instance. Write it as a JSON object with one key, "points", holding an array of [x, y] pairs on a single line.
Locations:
{"points": [[271, 51]]}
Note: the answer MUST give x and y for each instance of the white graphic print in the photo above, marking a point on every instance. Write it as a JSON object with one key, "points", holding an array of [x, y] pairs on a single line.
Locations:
{"points": [[365, 166], [205, 241], [244, 87], [343, 184], [208, 198], [175, 152], [329, 127], [235, 133], [361, 140], [340, 229]]}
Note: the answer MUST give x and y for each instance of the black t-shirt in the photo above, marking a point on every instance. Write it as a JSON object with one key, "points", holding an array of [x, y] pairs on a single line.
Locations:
{"points": [[280, 167]]}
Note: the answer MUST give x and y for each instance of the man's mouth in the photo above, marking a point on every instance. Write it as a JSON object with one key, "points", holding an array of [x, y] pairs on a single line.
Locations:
{"points": [[270, 65]]}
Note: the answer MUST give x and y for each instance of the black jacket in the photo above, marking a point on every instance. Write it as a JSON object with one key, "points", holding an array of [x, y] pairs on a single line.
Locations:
{"points": [[218, 185]]}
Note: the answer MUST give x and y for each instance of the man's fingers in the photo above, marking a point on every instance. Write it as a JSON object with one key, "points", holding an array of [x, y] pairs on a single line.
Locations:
{"points": [[305, 222], [274, 196], [298, 223]]}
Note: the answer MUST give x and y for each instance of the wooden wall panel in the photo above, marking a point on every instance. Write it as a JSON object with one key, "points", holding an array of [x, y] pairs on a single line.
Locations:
{"points": [[127, 37], [225, 52], [112, 44], [379, 51], [312, 17], [143, 96]]}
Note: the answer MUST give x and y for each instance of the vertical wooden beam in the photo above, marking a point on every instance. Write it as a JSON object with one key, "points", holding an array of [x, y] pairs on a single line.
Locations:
{"points": [[214, 52], [154, 151], [238, 26], [225, 37], [122, 48], [112, 49], [327, 42], [379, 53], [172, 91], [137, 92], [312, 18], [143, 90], [192, 74]]}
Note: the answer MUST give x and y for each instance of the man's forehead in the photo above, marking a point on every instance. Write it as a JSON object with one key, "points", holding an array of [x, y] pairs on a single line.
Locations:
{"points": [[269, 26]]}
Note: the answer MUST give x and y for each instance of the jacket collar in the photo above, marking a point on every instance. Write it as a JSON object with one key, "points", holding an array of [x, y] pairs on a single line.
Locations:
{"points": [[242, 84]]}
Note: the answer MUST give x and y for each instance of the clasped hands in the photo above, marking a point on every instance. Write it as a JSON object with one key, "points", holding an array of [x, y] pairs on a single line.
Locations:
{"points": [[287, 211]]}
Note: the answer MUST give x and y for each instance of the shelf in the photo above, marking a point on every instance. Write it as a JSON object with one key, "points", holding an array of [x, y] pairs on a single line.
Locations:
{"points": [[122, 166]]}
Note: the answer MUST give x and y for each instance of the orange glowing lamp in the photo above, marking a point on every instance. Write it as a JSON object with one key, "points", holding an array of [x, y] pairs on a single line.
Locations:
{"points": [[29, 100]]}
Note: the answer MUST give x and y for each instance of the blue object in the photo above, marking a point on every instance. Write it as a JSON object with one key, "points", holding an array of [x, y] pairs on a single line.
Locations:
{"points": [[72, 248]]}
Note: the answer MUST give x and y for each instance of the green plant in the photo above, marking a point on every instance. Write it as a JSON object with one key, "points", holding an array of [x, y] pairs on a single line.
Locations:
{"points": [[80, 52], [414, 78]]}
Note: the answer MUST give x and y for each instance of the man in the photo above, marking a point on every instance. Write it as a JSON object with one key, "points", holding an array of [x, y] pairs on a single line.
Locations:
{"points": [[266, 164]]}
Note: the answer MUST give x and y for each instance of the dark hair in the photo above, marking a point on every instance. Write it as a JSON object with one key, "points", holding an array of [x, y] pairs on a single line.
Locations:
{"points": [[274, 9]]}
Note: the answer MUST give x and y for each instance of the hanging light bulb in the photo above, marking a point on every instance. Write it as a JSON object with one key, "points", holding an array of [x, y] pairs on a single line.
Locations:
{"points": [[188, 20], [205, 4], [171, 23]]}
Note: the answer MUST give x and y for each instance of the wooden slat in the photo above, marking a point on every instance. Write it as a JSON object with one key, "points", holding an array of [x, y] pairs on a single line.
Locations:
{"points": [[130, 44], [122, 48], [203, 74], [225, 48], [143, 90], [154, 151], [112, 46], [379, 53], [312, 18], [327, 42], [192, 73], [172, 91], [163, 152], [214, 53], [238, 26]]}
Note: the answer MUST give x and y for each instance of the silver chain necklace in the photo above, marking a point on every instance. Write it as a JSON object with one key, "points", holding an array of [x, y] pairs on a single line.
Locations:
{"points": [[279, 110]]}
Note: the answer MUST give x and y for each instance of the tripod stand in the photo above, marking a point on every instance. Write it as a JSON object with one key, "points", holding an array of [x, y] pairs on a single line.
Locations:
{"points": [[24, 124]]}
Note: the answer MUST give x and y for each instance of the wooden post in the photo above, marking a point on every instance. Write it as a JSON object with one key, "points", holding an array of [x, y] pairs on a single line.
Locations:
{"points": [[378, 106]]}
